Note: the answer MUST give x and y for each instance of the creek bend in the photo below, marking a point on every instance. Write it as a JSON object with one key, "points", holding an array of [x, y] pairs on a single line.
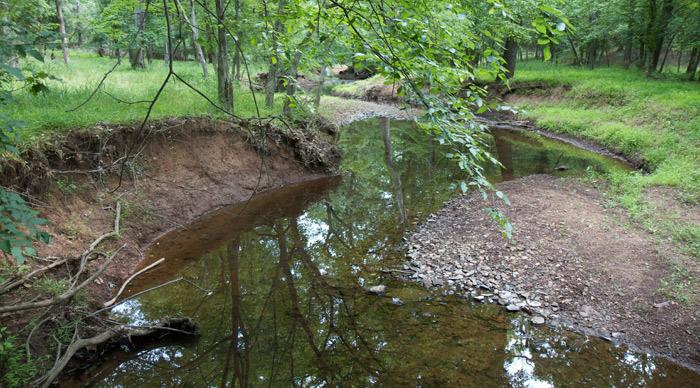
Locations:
{"points": [[278, 286]]}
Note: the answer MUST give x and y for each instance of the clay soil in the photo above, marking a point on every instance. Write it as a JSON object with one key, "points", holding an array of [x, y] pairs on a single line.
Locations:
{"points": [[572, 261]]}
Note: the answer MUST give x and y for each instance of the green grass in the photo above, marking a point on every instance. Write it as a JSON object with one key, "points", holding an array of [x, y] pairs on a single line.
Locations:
{"points": [[657, 121], [653, 120], [358, 89], [48, 113]]}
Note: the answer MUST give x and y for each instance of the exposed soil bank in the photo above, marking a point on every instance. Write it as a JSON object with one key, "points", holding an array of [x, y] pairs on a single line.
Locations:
{"points": [[572, 261], [185, 168]]}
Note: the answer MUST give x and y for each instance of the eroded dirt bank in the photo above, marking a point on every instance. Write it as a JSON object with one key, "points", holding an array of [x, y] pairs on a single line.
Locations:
{"points": [[572, 263], [183, 169]]}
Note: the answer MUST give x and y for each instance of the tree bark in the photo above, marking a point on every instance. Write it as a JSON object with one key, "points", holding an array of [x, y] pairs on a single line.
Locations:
{"points": [[668, 48], [693, 63], [274, 61], [195, 41], [236, 70], [223, 76], [658, 31], [137, 54], [292, 83], [510, 55], [62, 30], [79, 26], [319, 88]]}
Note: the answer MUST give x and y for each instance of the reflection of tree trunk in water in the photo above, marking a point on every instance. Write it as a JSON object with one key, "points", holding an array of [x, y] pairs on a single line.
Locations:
{"points": [[505, 155], [395, 176], [293, 296], [355, 346], [239, 337]]}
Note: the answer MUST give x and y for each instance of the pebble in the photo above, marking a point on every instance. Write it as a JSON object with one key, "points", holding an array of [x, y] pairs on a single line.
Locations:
{"points": [[537, 320], [377, 290]]}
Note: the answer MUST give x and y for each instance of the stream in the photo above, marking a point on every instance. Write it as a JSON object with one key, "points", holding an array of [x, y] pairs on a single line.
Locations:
{"points": [[278, 286]]}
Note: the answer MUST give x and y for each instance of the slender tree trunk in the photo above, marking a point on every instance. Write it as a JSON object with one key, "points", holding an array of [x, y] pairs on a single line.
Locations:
{"points": [[166, 54], [577, 59], [510, 55], [629, 41], [693, 64], [236, 70], [62, 30], [79, 26], [292, 83], [223, 76], [668, 48], [319, 89], [658, 32], [136, 54], [274, 61], [198, 53], [680, 58]]}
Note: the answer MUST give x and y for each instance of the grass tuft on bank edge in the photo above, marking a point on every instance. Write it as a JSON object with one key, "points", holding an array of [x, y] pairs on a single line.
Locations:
{"points": [[657, 121]]}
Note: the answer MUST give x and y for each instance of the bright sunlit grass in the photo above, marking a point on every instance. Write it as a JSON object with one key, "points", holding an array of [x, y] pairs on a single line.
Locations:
{"points": [[49, 113]]}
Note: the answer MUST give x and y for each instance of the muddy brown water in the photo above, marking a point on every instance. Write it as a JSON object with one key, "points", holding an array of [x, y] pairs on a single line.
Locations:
{"points": [[278, 287]]}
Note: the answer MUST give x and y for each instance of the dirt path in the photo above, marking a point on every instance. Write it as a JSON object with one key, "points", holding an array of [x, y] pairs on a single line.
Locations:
{"points": [[572, 263]]}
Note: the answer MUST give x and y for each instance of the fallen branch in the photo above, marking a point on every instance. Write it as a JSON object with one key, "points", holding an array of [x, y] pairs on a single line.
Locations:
{"points": [[179, 325], [64, 296], [132, 277], [30, 275], [115, 232]]}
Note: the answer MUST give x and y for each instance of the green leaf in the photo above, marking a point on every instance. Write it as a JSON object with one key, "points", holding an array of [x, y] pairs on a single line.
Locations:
{"points": [[547, 53]]}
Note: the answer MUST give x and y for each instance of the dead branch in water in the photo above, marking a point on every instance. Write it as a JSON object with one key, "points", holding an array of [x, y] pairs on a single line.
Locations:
{"points": [[179, 325], [132, 277]]}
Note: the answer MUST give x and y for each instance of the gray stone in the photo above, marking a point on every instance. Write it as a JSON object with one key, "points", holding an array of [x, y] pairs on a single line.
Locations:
{"points": [[377, 290], [538, 320], [534, 303], [396, 301], [512, 308]]}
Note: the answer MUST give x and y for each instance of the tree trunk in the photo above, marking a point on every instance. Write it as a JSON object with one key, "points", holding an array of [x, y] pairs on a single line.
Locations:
{"points": [[319, 89], [166, 54], [693, 63], [136, 54], [223, 76], [62, 30], [78, 27], [658, 32], [292, 83], [195, 41], [510, 55], [272, 71], [198, 53], [236, 70], [668, 48]]}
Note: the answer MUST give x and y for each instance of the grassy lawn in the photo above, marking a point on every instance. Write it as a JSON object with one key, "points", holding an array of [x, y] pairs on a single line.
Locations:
{"points": [[655, 120], [47, 113]]}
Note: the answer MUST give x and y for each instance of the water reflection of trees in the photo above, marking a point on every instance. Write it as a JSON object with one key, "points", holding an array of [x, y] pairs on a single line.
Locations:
{"points": [[287, 303]]}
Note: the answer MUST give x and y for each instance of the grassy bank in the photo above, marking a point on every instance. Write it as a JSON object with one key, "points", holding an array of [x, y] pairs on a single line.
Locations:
{"points": [[48, 113], [655, 120]]}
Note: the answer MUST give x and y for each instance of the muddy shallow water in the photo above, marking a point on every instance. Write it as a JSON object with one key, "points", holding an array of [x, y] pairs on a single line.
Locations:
{"points": [[278, 287]]}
